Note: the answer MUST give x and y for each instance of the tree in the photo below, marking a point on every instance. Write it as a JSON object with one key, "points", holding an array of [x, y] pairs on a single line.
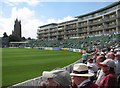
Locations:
{"points": [[23, 38], [5, 35], [14, 39], [29, 38]]}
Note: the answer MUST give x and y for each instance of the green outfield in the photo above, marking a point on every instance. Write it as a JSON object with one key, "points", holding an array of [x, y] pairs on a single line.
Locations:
{"points": [[19, 65]]}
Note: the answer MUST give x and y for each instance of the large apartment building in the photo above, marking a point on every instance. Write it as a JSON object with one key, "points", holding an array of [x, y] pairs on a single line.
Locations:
{"points": [[101, 22]]}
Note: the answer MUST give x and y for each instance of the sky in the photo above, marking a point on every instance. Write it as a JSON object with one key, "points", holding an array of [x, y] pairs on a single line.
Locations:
{"points": [[35, 13]]}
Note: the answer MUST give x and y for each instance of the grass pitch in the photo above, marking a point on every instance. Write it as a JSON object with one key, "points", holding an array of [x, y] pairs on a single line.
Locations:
{"points": [[19, 65]]}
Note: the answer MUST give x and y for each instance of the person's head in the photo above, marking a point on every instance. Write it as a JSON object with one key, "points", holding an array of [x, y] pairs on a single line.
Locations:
{"points": [[49, 81], [110, 55], [99, 59], [78, 79], [80, 73], [90, 60], [108, 66], [117, 56], [55, 77]]}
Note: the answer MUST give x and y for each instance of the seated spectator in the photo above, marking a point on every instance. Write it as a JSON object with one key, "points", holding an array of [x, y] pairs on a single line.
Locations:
{"points": [[49, 82], [117, 62], [95, 56], [109, 80], [100, 73], [92, 66], [110, 55], [81, 76], [56, 79]]}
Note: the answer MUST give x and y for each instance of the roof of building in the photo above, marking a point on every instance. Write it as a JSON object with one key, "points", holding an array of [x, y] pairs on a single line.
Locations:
{"points": [[55, 24], [68, 21], [99, 10]]}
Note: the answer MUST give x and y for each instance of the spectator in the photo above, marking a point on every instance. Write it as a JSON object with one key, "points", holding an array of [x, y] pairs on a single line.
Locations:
{"points": [[81, 76], [109, 80], [84, 57], [110, 55], [100, 59], [92, 69], [56, 79], [117, 62], [100, 71], [95, 56], [92, 66], [49, 82]]}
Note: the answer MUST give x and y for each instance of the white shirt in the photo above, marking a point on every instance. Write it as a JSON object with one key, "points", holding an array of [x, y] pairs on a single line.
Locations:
{"points": [[117, 69]]}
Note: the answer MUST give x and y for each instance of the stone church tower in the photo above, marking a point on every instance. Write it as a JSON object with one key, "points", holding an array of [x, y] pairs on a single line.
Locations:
{"points": [[17, 29]]}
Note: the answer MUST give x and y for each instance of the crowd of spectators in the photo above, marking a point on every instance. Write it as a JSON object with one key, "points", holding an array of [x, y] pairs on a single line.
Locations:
{"points": [[101, 70], [99, 66]]}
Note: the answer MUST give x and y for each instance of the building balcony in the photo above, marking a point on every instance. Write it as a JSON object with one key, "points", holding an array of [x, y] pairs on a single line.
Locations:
{"points": [[107, 19], [118, 17], [110, 26], [80, 26], [96, 29], [95, 23], [69, 28], [53, 30], [60, 29], [71, 32], [60, 33], [82, 31], [118, 24]]}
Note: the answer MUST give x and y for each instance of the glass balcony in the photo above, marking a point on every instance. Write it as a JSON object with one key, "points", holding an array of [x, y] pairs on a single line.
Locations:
{"points": [[118, 16], [95, 22], [81, 31], [110, 26], [106, 19], [80, 26], [96, 29]]}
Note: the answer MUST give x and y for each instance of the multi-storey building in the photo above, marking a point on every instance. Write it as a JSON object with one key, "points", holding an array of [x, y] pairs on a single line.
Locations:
{"points": [[103, 21]]}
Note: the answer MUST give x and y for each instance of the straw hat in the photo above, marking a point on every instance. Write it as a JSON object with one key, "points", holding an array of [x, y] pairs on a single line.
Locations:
{"points": [[81, 69]]}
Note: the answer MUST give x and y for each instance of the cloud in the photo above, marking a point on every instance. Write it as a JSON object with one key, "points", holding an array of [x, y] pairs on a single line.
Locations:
{"points": [[29, 22], [5, 25], [52, 20], [23, 13]]}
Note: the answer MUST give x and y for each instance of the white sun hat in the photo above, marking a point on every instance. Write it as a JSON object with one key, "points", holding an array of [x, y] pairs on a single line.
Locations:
{"points": [[81, 69], [47, 74]]}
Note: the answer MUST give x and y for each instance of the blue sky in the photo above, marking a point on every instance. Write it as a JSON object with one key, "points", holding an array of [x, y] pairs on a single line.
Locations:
{"points": [[34, 13]]}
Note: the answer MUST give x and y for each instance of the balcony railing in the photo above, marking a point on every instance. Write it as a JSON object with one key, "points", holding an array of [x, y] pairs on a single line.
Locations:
{"points": [[82, 31], [96, 29], [70, 32], [109, 18], [95, 22], [69, 28], [109, 26], [83, 25]]}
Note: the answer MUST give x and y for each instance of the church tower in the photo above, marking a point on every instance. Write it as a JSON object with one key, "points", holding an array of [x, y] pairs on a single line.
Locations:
{"points": [[17, 29]]}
